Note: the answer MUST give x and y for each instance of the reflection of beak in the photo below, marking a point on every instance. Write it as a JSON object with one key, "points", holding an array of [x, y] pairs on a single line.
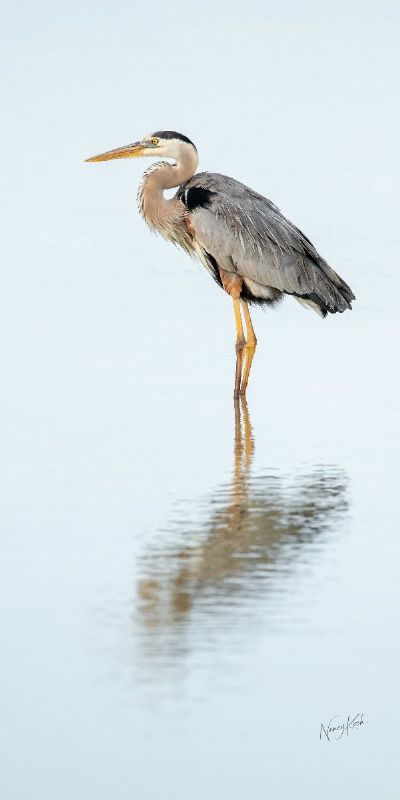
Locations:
{"points": [[129, 151]]}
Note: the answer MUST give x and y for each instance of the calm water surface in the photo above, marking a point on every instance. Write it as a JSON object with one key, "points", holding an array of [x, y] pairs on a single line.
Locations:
{"points": [[191, 586]]}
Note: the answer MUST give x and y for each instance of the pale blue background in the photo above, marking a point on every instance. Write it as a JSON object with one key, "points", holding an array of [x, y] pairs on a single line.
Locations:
{"points": [[116, 412]]}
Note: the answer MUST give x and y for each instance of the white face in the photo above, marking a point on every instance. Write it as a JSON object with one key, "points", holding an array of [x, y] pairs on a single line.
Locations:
{"points": [[170, 148]]}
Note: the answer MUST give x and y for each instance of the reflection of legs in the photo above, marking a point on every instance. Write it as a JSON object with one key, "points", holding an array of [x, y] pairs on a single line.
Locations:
{"points": [[240, 345], [250, 347], [248, 433], [238, 449], [243, 450]]}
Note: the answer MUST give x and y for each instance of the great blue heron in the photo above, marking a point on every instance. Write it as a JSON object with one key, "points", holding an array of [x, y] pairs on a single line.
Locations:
{"points": [[250, 249]]}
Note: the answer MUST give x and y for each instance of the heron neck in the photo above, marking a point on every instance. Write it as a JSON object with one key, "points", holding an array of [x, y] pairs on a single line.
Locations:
{"points": [[169, 176], [156, 209]]}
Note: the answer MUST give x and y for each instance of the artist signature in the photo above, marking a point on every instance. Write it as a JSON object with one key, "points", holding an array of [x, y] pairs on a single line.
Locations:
{"points": [[335, 729]]}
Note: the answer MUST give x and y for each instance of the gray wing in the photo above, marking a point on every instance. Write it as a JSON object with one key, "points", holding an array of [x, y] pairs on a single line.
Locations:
{"points": [[246, 233]]}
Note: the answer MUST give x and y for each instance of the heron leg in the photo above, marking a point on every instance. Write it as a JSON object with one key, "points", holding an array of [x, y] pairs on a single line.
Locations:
{"points": [[240, 345], [250, 349]]}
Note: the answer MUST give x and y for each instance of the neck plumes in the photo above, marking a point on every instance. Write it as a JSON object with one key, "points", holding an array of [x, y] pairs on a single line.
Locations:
{"points": [[159, 213]]}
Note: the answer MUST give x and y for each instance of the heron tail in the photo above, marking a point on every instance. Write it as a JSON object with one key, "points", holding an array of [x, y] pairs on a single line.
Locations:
{"points": [[324, 290]]}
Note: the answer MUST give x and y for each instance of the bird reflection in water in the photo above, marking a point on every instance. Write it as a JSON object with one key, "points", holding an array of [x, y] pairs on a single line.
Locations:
{"points": [[244, 548]]}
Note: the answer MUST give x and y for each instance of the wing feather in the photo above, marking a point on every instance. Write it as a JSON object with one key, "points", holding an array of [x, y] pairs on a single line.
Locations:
{"points": [[246, 233]]}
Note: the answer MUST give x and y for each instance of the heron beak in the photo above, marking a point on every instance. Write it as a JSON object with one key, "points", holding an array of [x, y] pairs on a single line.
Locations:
{"points": [[129, 151]]}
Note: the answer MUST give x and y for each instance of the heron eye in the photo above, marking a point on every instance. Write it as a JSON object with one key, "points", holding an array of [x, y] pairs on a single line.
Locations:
{"points": [[154, 140]]}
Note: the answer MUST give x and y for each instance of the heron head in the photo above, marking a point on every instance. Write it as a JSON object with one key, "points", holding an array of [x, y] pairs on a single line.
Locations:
{"points": [[161, 143]]}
